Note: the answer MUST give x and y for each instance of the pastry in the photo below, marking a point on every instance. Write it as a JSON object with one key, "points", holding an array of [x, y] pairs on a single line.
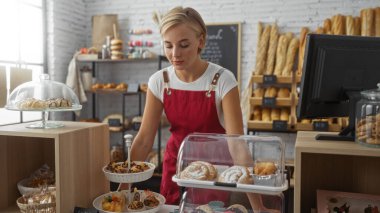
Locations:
{"points": [[236, 174], [273, 41], [237, 208], [266, 114], [270, 92], [257, 114], [136, 206], [199, 170], [109, 86], [275, 114], [122, 86], [97, 86], [290, 56], [264, 168], [261, 55], [114, 202], [204, 209], [283, 93], [282, 47], [150, 200], [284, 114], [258, 92]]}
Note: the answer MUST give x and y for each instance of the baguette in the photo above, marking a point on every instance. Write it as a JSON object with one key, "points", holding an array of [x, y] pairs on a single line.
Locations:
{"points": [[377, 21], [282, 47], [259, 33], [333, 25], [290, 57], [270, 92], [262, 51], [301, 52], [350, 26], [320, 30], [357, 23], [258, 92], [339, 26], [273, 42], [284, 114], [257, 115], [275, 114], [327, 25], [367, 16], [266, 114]]}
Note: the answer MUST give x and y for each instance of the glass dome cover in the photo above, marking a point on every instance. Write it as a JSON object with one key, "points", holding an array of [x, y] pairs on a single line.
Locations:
{"points": [[43, 95]]}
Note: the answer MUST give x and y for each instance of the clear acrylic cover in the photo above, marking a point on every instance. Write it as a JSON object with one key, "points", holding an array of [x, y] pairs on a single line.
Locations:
{"points": [[239, 163], [43, 95]]}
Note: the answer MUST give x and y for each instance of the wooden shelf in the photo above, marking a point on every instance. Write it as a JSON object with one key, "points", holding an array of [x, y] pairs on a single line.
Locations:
{"points": [[309, 127], [265, 126], [332, 165], [279, 101], [76, 152], [118, 61], [280, 79]]}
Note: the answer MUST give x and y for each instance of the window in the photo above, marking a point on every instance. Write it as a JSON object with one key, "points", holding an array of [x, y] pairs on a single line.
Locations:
{"points": [[22, 51]]}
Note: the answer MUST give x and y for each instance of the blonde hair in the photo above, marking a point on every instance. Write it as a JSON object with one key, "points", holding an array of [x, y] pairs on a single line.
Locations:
{"points": [[180, 15]]}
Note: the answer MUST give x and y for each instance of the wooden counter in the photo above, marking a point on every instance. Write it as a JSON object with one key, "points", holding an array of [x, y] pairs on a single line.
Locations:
{"points": [[332, 165], [77, 153]]}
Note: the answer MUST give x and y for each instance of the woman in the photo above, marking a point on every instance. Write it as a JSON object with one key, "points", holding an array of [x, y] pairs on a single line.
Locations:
{"points": [[196, 95]]}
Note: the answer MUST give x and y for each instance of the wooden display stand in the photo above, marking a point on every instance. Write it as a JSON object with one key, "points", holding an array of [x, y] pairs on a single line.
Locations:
{"points": [[77, 153], [332, 165]]}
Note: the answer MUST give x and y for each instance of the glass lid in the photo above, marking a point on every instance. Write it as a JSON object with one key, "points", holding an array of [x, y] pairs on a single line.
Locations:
{"points": [[43, 95], [373, 94]]}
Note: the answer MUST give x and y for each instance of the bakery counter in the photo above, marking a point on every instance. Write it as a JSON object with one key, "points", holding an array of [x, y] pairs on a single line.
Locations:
{"points": [[76, 152], [332, 165]]}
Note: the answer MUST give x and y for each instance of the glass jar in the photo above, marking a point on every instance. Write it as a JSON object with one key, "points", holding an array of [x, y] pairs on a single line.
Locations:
{"points": [[117, 154], [368, 118]]}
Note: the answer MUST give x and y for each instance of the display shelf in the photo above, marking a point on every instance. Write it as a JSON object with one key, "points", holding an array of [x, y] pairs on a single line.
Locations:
{"points": [[117, 61], [279, 79], [268, 126], [76, 152], [310, 127], [256, 101], [332, 165]]}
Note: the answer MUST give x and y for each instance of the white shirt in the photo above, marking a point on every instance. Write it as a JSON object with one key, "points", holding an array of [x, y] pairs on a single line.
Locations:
{"points": [[225, 83]]}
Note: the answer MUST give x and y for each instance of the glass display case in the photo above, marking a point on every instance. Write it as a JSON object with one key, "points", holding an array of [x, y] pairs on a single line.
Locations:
{"points": [[224, 172], [46, 96]]}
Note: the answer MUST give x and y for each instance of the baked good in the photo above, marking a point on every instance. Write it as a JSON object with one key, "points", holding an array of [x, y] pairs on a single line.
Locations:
{"points": [[283, 93], [301, 51], [257, 114], [97, 86], [270, 92], [358, 25], [58, 103], [150, 200], [36, 104], [114, 202], [305, 121], [116, 42], [121, 86], [109, 86], [258, 92], [236, 174], [326, 25], [204, 209], [320, 30], [282, 47], [273, 41], [199, 170], [377, 22], [266, 114], [368, 129], [264, 168], [290, 56], [350, 26], [284, 114], [237, 208], [275, 114], [261, 55], [366, 16]]}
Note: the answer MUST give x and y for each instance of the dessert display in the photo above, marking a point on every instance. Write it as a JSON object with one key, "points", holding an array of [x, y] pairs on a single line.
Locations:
{"points": [[40, 201]]}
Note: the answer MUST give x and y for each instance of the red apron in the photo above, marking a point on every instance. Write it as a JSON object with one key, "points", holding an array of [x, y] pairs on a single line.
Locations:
{"points": [[187, 112]]}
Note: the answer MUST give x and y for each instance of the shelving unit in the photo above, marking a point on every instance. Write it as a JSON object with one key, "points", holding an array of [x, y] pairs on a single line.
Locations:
{"points": [[76, 152], [332, 165]]}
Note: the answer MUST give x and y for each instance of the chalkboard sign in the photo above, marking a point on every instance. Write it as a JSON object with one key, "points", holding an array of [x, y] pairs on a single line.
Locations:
{"points": [[223, 46]]}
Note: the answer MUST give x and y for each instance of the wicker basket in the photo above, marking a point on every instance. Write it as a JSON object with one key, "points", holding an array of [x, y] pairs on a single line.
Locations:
{"points": [[35, 208]]}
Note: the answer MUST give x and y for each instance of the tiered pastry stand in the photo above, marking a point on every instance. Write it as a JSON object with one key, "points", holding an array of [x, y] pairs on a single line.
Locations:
{"points": [[129, 178]]}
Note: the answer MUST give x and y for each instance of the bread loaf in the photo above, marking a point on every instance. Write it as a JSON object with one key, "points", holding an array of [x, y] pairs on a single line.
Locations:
{"points": [[262, 51], [358, 25], [367, 17], [326, 25], [283, 93], [257, 114], [284, 114], [339, 25], [266, 114], [273, 41], [350, 25], [320, 30], [302, 46], [377, 22], [258, 92], [275, 114], [290, 57], [259, 33], [282, 47], [270, 92]]}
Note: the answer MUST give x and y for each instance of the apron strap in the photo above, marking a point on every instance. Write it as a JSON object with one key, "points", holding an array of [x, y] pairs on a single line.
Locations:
{"points": [[166, 82], [214, 82]]}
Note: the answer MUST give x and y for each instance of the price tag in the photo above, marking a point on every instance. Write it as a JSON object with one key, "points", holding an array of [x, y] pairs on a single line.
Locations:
{"points": [[269, 102], [269, 79], [322, 126], [114, 122], [84, 210], [280, 125]]}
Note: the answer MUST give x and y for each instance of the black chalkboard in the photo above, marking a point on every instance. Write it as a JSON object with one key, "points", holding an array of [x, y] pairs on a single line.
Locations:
{"points": [[223, 46]]}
